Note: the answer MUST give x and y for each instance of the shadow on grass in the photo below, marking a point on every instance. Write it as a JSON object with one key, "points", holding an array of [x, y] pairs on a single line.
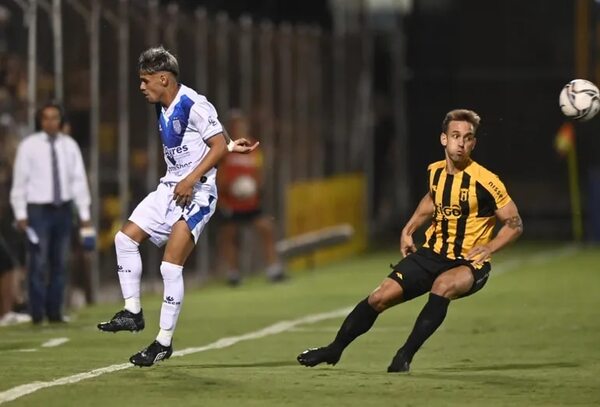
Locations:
{"points": [[509, 366], [240, 365]]}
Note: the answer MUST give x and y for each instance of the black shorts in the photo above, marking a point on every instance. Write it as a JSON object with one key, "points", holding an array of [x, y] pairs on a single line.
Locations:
{"points": [[7, 260], [12, 252], [417, 272], [240, 217]]}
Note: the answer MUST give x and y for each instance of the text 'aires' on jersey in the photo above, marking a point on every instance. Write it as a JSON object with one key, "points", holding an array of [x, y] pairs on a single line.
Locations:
{"points": [[185, 127]]}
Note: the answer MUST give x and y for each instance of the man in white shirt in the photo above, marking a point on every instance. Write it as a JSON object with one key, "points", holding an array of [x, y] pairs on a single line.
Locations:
{"points": [[185, 199], [49, 176]]}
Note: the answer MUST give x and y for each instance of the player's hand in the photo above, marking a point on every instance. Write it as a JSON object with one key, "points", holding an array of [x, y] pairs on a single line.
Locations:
{"points": [[407, 245], [182, 194], [479, 254], [243, 146], [22, 225]]}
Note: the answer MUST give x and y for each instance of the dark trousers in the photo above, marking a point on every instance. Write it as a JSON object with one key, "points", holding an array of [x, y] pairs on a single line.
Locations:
{"points": [[47, 259]]}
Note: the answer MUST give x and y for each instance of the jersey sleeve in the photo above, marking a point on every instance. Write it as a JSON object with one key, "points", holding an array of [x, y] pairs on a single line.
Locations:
{"points": [[496, 189], [205, 119], [429, 181]]}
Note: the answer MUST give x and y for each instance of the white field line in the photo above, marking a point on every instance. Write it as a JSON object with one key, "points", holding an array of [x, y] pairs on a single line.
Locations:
{"points": [[54, 342], [279, 327]]}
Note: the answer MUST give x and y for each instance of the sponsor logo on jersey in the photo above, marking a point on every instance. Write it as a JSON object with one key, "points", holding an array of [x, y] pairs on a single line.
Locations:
{"points": [[450, 211], [177, 166], [170, 152], [496, 190]]}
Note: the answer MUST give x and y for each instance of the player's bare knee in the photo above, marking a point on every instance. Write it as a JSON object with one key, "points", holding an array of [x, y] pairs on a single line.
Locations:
{"points": [[379, 301], [444, 287]]}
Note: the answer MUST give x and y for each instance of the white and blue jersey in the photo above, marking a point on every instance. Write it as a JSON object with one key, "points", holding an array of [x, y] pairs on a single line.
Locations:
{"points": [[185, 126]]}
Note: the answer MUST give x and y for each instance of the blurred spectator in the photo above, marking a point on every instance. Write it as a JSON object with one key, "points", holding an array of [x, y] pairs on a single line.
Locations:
{"points": [[49, 176], [4, 20], [11, 257], [239, 182], [11, 300]]}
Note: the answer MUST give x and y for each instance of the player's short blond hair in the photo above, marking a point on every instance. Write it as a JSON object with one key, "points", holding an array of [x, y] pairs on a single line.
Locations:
{"points": [[158, 59], [461, 115]]}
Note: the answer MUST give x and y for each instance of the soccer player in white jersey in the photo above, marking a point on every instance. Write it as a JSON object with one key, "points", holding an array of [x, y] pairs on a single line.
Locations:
{"points": [[185, 199]]}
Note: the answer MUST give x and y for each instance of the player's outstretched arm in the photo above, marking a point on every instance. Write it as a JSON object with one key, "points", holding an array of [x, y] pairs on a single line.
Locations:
{"points": [[240, 145], [422, 214], [511, 229]]}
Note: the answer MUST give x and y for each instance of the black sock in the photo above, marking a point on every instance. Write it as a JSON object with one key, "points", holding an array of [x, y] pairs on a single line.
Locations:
{"points": [[359, 321], [431, 317]]}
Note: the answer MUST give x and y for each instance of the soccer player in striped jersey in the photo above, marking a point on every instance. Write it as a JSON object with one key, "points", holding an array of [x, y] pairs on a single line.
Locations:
{"points": [[176, 213], [463, 202]]}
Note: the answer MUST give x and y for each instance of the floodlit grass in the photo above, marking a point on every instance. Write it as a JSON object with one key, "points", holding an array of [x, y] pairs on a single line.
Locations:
{"points": [[531, 337]]}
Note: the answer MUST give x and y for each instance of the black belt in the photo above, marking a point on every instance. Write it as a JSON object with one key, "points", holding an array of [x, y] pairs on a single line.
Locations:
{"points": [[50, 205]]}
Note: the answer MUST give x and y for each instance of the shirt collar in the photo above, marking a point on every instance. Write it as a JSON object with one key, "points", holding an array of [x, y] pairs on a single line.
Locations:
{"points": [[46, 136], [180, 92]]}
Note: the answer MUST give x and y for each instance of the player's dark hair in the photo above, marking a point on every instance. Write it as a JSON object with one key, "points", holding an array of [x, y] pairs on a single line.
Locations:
{"points": [[51, 104], [461, 115], [158, 59]]}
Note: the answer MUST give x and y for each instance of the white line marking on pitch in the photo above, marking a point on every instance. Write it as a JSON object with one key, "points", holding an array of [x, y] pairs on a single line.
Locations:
{"points": [[54, 342], [25, 389]]}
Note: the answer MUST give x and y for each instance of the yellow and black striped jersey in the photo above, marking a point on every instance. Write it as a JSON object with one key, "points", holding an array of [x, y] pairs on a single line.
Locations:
{"points": [[465, 205]]}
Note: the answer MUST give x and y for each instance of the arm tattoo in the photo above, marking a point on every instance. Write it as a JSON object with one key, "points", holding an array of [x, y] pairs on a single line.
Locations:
{"points": [[514, 223]]}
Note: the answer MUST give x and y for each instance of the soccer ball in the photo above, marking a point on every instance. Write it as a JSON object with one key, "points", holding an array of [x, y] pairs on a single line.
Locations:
{"points": [[243, 187], [579, 100]]}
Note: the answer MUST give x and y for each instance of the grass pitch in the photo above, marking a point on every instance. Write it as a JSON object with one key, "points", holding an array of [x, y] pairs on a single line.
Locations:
{"points": [[531, 337]]}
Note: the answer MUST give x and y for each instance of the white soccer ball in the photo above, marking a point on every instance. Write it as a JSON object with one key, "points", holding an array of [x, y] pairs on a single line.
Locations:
{"points": [[579, 100], [243, 187]]}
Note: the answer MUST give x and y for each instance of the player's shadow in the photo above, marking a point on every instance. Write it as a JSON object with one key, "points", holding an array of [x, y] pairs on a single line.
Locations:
{"points": [[278, 363], [508, 366], [483, 374]]}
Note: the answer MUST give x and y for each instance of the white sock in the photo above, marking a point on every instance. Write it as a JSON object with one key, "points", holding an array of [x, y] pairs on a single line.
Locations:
{"points": [[172, 275], [133, 304], [164, 337], [129, 270]]}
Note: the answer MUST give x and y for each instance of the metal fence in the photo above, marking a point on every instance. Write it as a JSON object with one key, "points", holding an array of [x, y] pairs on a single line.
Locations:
{"points": [[307, 92]]}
